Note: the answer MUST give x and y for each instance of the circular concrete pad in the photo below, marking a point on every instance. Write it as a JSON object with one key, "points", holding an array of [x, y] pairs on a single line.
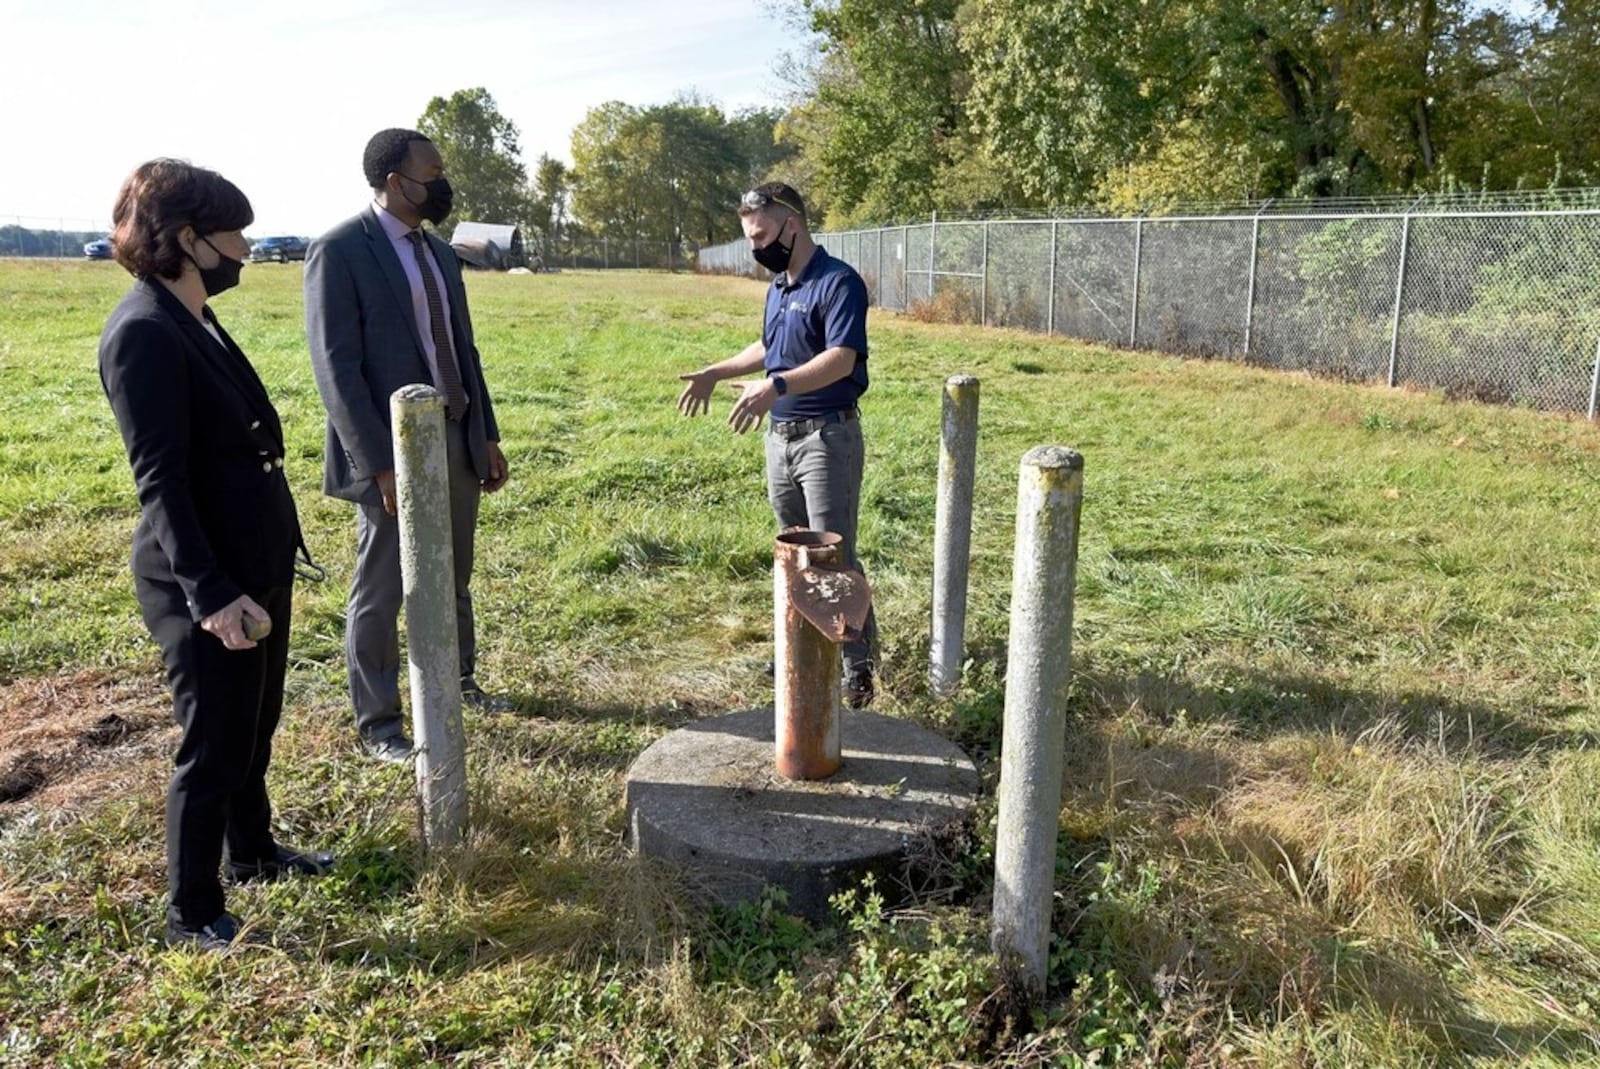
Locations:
{"points": [[708, 798]]}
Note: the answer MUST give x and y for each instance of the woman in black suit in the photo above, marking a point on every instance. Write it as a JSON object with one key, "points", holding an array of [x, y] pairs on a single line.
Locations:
{"points": [[214, 548]]}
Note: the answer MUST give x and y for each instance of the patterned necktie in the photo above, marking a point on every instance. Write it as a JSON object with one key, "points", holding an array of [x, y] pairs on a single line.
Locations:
{"points": [[455, 398]]}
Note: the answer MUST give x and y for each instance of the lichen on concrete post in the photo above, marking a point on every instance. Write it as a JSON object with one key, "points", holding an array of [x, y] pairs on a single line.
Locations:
{"points": [[427, 557], [952, 532], [1038, 670]]}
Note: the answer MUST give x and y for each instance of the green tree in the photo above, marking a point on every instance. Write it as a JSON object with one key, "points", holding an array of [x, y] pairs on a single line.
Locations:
{"points": [[1537, 126], [1186, 98], [882, 116], [483, 155], [612, 149], [670, 172], [549, 201]]}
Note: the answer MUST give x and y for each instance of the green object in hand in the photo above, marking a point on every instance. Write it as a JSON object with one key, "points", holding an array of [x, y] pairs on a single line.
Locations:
{"points": [[256, 628]]}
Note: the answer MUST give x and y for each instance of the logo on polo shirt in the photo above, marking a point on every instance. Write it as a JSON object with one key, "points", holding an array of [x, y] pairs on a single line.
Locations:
{"points": [[797, 306]]}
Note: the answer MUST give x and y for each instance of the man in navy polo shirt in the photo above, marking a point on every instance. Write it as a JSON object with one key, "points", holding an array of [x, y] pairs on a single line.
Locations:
{"points": [[813, 351]]}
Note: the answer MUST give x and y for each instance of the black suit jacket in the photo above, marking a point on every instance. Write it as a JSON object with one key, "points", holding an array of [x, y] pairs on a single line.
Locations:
{"points": [[365, 345], [215, 512]]}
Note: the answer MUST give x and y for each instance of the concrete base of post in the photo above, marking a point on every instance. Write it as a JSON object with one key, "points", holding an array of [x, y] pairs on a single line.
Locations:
{"points": [[708, 799]]}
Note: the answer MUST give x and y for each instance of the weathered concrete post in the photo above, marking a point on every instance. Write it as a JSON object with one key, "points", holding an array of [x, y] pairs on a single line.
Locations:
{"points": [[816, 605], [422, 487], [1038, 668], [952, 532]]}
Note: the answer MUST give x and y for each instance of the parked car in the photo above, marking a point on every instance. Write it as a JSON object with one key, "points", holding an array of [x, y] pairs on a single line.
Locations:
{"points": [[281, 249], [99, 249]]}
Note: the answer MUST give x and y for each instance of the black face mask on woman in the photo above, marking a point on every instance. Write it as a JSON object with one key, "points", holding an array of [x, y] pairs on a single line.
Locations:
{"points": [[437, 204], [224, 276], [774, 255]]}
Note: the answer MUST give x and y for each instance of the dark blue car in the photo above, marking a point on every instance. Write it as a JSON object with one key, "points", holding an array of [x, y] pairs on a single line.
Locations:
{"points": [[281, 249], [99, 249]]}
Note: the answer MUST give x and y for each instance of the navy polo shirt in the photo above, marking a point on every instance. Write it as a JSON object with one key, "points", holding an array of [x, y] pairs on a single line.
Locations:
{"points": [[825, 307]]}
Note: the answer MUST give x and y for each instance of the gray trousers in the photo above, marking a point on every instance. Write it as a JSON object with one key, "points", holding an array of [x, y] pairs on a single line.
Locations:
{"points": [[815, 482], [372, 634]]}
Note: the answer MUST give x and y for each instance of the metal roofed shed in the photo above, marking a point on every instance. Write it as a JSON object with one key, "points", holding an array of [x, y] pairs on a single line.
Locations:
{"points": [[494, 246]]}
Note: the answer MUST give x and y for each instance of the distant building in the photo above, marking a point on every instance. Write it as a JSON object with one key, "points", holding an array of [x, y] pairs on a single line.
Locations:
{"points": [[493, 246]]}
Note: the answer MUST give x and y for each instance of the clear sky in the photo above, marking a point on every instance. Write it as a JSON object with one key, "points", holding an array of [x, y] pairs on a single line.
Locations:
{"points": [[281, 95]]}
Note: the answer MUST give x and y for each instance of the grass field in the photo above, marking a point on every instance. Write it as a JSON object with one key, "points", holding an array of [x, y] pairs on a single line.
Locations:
{"points": [[1331, 795]]}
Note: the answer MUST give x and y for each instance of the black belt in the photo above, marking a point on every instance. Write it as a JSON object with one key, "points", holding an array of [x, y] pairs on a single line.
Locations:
{"points": [[799, 428]]}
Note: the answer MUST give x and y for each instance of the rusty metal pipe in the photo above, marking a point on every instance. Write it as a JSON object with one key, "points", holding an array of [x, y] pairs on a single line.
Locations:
{"points": [[817, 604]]}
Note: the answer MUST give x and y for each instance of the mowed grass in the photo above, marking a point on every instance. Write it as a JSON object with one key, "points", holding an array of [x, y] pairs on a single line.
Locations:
{"points": [[1331, 781]]}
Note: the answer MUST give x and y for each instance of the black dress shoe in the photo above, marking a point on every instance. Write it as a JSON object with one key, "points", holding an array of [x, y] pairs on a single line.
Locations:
{"points": [[396, 749], [213, 937], [284, 862], [475, 697], [859, 689]]}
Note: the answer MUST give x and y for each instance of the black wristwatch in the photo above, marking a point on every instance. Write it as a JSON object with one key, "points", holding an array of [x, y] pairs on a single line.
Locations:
{"points": [[781, 386]]}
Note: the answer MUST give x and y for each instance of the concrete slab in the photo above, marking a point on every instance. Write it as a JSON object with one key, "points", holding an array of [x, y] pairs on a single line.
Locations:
{"points": [[708, 798]]}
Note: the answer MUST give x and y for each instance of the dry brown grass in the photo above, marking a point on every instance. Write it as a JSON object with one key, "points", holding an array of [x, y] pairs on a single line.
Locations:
{"points": [[70, 739], [946, 306]]}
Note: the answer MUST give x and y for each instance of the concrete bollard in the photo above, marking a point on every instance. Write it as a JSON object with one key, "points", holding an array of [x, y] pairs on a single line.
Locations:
{"points": [[1038, 669], [952, 532], [816, 605], [422, 487]]}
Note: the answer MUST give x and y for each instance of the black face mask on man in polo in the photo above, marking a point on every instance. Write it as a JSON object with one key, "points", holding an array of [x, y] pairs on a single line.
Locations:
{"points": [[774, 255]]}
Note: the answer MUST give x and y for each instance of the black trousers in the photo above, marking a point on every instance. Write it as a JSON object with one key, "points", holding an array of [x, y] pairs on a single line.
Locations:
{"points": [[228, 703]]}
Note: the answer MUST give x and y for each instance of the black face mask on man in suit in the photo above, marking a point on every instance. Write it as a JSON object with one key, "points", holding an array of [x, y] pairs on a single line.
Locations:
{"points": [[437, 204]]}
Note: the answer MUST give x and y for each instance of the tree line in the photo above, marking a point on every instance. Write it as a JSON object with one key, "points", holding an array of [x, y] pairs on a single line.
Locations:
{"points": [[663, 173], [912, 106], [900, 108]]}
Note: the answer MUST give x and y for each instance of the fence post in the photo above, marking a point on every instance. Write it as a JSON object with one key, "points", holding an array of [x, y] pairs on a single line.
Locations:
{"points": [[952, 531], [1250, 296], [1050, 316], [1138, 251], [1594, 383], [983, 287], [1038, 669], [422, 485], [905, 268], [933, 234], [882, 274], [1399, 289]]}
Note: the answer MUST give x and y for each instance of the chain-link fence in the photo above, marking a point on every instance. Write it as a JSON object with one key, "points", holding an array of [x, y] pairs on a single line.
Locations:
{"points": [[1497, 304], [32, 236], [606, 253]]}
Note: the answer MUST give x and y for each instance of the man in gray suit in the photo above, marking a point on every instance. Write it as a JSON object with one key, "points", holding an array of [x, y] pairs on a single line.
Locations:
{"points": [[385, 308]]}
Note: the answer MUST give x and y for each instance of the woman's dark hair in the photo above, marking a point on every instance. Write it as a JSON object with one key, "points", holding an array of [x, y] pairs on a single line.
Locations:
{"points": [[159, 199], [386, 153]]}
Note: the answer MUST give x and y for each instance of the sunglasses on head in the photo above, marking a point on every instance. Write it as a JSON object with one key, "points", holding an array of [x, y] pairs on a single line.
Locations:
{"points": [[756, 200]]}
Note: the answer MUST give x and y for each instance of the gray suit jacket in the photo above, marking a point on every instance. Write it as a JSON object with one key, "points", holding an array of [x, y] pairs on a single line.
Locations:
{"points": [[365, 345]]}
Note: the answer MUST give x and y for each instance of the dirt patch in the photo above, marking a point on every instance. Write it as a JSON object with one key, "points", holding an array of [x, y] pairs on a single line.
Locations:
{"points": [[66, 739]]}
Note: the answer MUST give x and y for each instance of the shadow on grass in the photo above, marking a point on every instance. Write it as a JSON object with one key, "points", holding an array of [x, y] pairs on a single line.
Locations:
{"points": [[1258, 705], [1215, 889]]}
